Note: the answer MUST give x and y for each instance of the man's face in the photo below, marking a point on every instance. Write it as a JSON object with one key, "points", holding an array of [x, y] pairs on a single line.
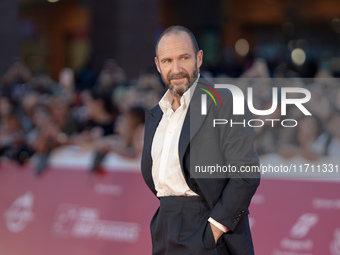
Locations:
{"points": [[177, 62]]}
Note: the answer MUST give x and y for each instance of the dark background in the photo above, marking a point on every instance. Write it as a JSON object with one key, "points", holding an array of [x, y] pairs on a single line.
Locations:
{"points": [[84, 33]]}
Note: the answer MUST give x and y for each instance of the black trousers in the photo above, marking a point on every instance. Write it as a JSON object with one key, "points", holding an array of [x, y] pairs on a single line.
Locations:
{"points": [[180, 226]]}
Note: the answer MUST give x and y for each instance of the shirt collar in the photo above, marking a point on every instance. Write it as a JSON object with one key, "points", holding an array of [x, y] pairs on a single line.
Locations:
{"points": [[166, 101]]}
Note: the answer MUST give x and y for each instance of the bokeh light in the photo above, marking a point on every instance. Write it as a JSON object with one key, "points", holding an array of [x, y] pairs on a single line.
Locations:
{"points": [[298, 56], [242, 47]]}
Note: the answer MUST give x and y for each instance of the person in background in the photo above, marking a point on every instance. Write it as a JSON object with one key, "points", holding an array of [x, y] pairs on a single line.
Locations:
{"points": [[27, 104], [6, 106], [101, 116], [111, 75], [127, 140], [44, 137], [301, 141], [12, 139], [15, 80], [129, 129], [328, 143], [59, 108], [67, 84]]}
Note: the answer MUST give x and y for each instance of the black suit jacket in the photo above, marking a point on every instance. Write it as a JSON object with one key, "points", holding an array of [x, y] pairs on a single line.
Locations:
{"points": [[228, 194]]}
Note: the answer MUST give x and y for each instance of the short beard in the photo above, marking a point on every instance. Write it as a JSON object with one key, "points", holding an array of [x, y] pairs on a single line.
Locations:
{"points": [[179, 91]]}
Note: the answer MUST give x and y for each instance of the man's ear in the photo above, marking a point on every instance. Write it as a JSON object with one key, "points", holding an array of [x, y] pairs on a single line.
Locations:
{"points": [[199, 58], [157, 64]]}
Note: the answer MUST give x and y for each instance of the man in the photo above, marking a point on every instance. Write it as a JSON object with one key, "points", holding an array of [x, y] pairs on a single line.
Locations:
{"points": [[197, 214]]}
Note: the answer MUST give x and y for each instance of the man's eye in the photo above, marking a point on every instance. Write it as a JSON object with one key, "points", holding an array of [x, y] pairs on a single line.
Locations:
{"points": [[167, 61], [184, 58]]}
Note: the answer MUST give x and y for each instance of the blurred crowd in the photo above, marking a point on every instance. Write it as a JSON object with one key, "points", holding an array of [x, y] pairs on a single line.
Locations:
{"points": [[39, 114], [315, 136], [105, 112]]}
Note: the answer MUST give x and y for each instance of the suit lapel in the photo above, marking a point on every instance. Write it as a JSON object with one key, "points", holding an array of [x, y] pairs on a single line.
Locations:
{"points": [[152, 118], [193, 120]]}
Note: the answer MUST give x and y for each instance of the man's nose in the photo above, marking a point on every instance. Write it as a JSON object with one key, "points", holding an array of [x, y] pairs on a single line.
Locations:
{"points": [[176, 67]]}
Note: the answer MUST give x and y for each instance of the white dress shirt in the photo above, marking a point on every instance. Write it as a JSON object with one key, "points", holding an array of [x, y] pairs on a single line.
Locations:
{"points": [[166, 169]]}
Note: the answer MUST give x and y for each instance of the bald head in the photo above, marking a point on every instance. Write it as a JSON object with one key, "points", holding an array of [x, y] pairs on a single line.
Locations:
{"points": [[178, 30]]}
